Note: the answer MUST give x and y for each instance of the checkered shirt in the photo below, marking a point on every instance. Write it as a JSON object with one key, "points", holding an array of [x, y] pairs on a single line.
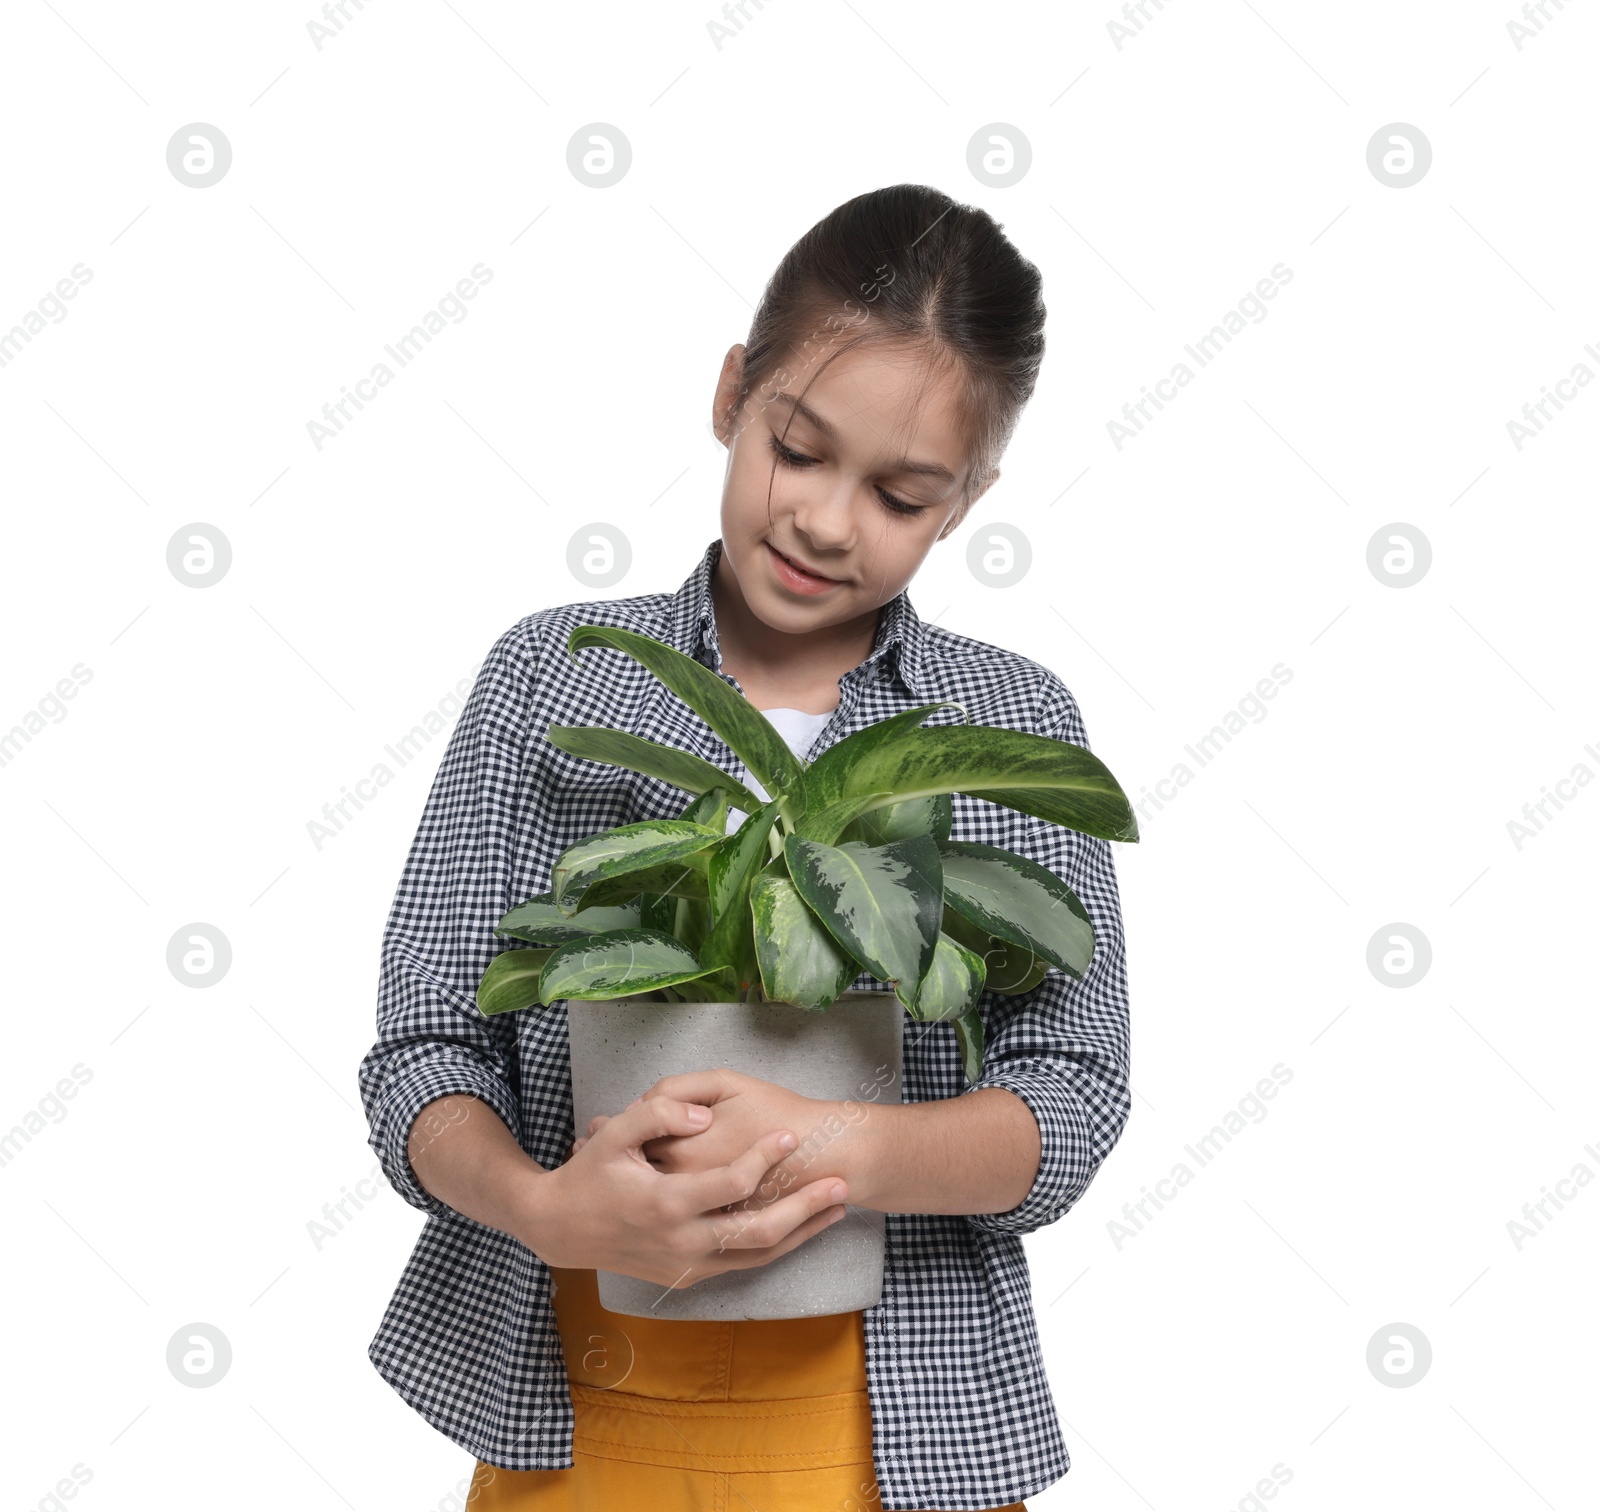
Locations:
{"points": [[961, 1409]]}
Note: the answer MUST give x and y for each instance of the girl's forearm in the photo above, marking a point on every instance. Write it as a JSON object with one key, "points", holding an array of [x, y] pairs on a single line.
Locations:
{"points": [[464, 1155], [976, 1153]]}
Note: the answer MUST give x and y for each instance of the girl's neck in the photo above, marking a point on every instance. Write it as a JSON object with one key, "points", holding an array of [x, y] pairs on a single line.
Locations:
{"points": [[782, 671]]}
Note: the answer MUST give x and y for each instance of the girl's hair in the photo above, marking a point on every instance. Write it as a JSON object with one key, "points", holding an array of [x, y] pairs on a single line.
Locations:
{"points": [[907, 265]]}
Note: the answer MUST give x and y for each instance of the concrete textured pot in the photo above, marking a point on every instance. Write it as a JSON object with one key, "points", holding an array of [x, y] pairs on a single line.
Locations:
{"points": [[851, 1051]]}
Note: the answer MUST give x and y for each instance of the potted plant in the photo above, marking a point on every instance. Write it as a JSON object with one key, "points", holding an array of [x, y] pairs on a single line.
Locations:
{"points": [[679, 946]]}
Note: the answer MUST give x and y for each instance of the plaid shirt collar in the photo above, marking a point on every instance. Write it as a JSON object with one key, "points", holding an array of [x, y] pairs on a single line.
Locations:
{"points": [[899, 643]]}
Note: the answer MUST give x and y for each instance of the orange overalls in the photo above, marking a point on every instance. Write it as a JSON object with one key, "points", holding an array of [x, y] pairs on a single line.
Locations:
{"points": [[677, 1416]]}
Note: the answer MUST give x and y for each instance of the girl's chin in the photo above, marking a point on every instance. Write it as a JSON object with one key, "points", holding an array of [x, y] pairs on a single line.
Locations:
{"points": [[787, 613]]}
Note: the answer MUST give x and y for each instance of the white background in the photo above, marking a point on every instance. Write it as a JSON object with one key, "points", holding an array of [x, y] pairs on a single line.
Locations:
{"points": [[1231, 1333]]}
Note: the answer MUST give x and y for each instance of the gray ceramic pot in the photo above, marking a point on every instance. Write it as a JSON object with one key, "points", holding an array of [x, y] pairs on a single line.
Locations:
{"points": [[850, 1052]]}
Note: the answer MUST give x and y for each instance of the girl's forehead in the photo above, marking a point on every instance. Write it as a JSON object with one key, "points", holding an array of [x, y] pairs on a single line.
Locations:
{"points": [[865, 389]]}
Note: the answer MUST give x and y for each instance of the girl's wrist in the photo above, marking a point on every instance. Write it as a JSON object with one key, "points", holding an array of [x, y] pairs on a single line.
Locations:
{"points": [[869, 1124], [838, 1139], [534, 1207]]}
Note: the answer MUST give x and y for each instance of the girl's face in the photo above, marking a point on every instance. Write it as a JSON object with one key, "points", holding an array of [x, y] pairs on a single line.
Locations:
{"points": [[869, 473]]}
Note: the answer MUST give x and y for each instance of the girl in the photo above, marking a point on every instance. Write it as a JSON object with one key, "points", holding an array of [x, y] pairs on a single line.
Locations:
{"points": [[892, 353]]}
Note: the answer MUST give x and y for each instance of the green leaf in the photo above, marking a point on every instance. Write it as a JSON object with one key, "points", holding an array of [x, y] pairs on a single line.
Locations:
{"points": [[540, 922], [1016, 900], [717, 986], [825, 777], [733, 864], [969, 1037], [1109, 818], [683, 769], [951, 986], [692, 921], [629, 848], [677, 879], [747, 733], [1052, 779], [618, 963], [738, 858], [656, 911], [511, 980], [828, 824], [709, 809], [1008, 968], [1013, 969], [959, 928], [799, 960], [900, 821], [882, 903]]}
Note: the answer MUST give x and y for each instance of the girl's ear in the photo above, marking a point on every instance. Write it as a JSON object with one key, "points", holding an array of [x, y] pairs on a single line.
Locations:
{"points": [[726, 396]]}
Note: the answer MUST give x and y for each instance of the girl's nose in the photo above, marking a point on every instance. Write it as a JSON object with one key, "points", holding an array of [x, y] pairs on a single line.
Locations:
{"points": [[825, 516]]}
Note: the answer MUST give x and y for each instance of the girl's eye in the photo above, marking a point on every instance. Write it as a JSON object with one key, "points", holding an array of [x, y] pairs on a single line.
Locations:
{"points": [[791, 458], [899, 506]]}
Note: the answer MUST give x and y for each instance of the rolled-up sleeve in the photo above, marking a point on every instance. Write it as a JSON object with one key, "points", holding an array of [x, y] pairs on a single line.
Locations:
{"points": [[455, 887], [1063, 1048]]}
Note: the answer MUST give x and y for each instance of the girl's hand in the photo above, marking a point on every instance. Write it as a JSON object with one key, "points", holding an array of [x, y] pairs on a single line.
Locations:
{"points": [[745, 1109], [609, 1208]]}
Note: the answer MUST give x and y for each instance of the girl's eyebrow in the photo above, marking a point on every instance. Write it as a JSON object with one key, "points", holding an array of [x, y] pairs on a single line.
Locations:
{"points": [[905, 464]]}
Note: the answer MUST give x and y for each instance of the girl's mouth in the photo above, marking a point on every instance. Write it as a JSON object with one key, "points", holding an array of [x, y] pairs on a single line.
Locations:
{"points": [[800, 579]]}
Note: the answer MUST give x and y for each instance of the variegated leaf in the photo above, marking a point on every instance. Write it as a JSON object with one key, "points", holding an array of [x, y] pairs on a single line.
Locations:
{"points": [[1015, 899], [800, 961], [649, 844], [540, 922], [619, 963], [882, 903]]}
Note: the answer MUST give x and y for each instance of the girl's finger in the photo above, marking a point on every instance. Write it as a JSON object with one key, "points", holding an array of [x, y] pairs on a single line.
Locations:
{"points": [[736, 1181], [751, 1228], [733, 1258], [640, 1122], [697, 1086]]}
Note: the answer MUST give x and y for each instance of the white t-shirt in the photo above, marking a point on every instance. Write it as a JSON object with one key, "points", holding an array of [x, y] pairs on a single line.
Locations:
{"points": [[799, 730]]}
